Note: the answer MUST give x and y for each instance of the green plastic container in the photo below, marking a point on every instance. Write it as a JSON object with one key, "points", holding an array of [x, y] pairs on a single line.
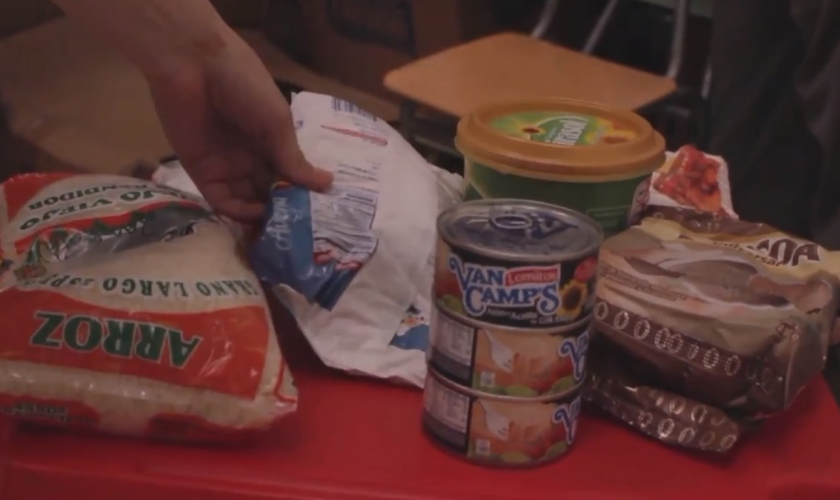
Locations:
{"points": [[578, 155]]}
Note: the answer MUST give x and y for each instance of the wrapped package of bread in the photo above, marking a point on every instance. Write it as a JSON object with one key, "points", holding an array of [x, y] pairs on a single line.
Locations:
{"points": [[706, 323]]}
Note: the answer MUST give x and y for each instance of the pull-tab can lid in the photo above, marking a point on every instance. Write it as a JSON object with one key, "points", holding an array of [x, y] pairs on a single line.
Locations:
{"points": [[519, 230]]}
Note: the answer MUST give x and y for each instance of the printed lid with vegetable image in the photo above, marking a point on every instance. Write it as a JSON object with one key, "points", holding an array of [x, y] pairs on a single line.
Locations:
{"points": [[560, 139]]}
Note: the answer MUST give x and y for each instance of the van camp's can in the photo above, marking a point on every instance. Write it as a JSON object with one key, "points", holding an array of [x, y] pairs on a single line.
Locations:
{"points": [[517, 264], [497, 430], [517, 362]]}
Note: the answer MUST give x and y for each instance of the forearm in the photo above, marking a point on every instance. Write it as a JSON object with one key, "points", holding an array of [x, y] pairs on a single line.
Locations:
{"points": [[158, 36]]}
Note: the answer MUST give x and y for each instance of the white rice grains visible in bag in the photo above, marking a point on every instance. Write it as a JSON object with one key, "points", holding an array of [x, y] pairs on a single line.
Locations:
{"points": [[128, 308]]}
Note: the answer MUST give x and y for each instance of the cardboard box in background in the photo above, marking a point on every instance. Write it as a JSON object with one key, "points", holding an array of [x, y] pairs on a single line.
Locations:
{"points": [[75, 104], [18, 15], [241, 13], [358, 41], [78, 103]]}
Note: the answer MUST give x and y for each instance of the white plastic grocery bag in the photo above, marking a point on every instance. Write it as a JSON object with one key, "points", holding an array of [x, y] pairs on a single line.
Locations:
{"points": [[354, 265]]}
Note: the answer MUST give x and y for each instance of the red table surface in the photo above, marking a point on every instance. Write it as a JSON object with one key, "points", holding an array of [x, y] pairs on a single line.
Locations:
{"points": [[356, 439]]}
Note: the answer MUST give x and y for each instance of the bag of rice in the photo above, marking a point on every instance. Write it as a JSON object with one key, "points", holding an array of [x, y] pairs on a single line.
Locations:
{"points": [[130, 309]]}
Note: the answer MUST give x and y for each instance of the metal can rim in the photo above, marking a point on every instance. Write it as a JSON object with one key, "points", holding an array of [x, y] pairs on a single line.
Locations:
{"points": [[490, 464], [514, 258], [577, 328], [568, 396]]}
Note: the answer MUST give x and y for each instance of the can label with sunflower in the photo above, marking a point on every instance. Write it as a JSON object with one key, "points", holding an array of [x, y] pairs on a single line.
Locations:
{"points": [[517, 264], [515, 362]]}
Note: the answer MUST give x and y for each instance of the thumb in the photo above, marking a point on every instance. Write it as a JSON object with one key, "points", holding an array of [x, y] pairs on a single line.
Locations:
{"points": [[290, 164]]}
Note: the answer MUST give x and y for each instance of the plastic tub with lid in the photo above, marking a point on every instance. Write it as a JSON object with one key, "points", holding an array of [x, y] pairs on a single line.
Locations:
{"points": [[583, 156]]}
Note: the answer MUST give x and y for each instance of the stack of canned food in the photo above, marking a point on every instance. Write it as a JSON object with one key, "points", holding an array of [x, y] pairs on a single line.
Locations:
{"points": [[513, 291]]}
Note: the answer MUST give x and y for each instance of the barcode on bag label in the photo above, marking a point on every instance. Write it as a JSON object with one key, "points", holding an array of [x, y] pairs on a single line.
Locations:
{"points": [[349, 107]]}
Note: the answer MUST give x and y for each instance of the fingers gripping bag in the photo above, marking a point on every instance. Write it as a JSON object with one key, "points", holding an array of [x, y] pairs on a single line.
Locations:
{"points": [[128, 308], [354, 264]]}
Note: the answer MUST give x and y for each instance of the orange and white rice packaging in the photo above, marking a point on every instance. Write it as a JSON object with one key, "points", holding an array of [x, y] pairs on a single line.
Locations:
{"points": [[128, 308]]}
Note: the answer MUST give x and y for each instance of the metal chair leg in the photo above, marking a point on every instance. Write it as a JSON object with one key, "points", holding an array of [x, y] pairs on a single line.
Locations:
{"points": [[407, 113], [706, 90], [546, 18], [600, 26], [682, 11]]}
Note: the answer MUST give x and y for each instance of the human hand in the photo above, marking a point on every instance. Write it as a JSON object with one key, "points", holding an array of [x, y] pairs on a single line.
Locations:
{"points": [[232, 129]]}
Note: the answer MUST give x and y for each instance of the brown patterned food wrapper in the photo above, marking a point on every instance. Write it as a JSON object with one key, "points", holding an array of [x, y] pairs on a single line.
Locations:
{"points": [[701, 221], [730, 314], [668, 417]]}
